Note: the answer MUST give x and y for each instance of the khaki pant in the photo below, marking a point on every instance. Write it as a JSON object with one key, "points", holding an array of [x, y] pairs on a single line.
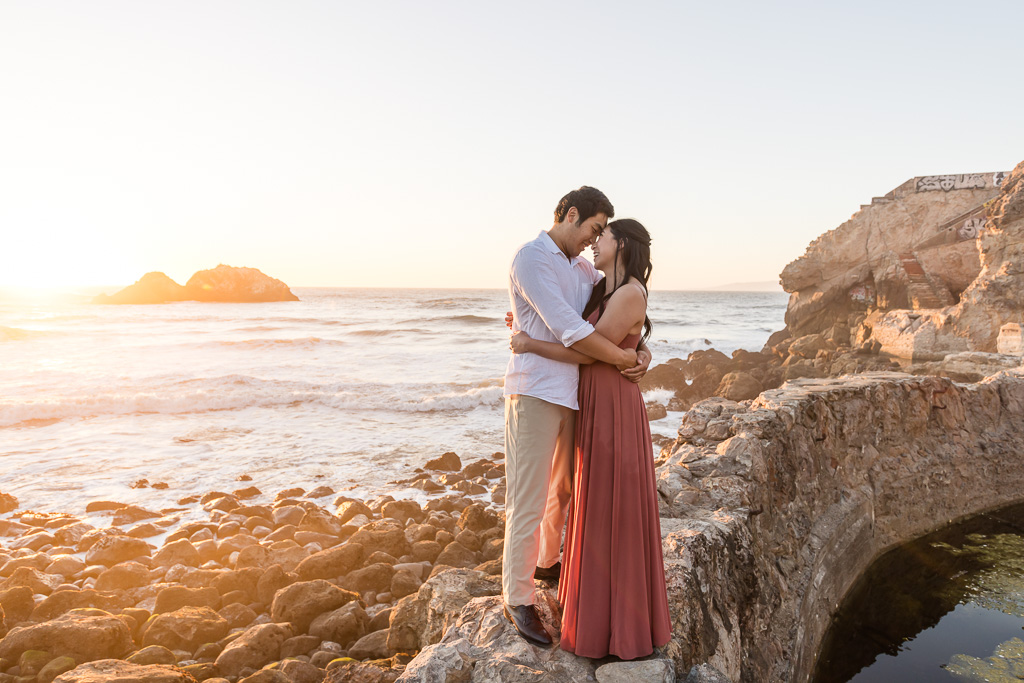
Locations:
{"points": [[539, 440]]}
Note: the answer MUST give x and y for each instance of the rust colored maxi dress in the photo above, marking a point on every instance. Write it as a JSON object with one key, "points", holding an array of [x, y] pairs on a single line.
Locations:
{"points": [[612, 587]]}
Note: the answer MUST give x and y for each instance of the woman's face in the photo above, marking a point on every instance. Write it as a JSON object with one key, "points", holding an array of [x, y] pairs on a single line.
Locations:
{"points": [[606, 249]]}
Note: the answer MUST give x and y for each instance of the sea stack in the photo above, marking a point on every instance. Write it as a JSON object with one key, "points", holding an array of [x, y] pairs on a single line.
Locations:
{"points": [[151, 288], [242, 285], [225, 284]]}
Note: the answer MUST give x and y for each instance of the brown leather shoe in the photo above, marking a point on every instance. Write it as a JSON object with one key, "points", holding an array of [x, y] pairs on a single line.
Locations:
{"points": [[529, 625], [551, 573]]}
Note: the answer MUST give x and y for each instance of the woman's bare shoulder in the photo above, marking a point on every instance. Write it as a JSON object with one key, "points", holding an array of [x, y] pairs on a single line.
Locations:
{"points": [[630, 293]]}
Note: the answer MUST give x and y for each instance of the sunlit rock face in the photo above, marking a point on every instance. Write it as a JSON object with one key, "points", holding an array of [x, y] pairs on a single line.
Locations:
{"points": [[221, 284], [988, 309], [933, 268], [914, 248]]}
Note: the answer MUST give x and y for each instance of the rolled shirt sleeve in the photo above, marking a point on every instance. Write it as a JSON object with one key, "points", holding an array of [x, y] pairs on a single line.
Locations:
{"points": [[539, 285]]}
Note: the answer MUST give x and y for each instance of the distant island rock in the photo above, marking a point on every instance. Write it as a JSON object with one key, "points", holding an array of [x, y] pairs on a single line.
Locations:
{"points": [[225, 284]]}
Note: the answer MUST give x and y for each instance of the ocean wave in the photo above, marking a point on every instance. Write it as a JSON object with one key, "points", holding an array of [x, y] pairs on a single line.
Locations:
{"points": [[467, 319], [17, 334], [452, 302], [391, 332], [319, 321], [237, 392], [275, 343], [473, 319]]}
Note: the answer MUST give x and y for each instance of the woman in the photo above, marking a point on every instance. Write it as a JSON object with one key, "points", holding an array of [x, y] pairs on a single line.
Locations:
{"points": [[612, 587]]}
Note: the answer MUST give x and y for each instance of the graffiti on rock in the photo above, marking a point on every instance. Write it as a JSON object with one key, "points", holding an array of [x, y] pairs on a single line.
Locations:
{"points": [[863, 294], [945, 183], [971, 228], [998, 178]]}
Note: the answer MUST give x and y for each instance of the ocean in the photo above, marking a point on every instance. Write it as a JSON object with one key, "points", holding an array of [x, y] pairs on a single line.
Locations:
{"points": [[350, 388]]}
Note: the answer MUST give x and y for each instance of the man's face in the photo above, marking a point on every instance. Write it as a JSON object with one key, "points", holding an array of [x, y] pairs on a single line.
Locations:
{"points": [[587, 232]]}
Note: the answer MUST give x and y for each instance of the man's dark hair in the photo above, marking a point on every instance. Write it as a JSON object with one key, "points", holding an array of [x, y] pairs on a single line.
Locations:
{"points": [[589, 201]]}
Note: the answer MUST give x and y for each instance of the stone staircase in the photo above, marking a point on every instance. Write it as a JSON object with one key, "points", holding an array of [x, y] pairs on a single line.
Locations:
{"points": [[920, 290]]}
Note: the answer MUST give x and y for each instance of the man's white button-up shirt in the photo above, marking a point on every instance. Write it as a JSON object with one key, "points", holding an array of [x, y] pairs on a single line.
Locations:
{"points": [[548, 293]]}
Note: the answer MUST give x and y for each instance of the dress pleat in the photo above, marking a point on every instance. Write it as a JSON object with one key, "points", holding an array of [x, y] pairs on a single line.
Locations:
{"points": [[612, 587]]}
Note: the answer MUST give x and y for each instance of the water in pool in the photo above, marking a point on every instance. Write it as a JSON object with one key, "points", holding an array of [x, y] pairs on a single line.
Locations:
{"points": [[946, 607]]}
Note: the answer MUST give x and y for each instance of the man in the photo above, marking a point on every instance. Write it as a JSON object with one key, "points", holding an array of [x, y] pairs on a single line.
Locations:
{"points": [[549, 285]]}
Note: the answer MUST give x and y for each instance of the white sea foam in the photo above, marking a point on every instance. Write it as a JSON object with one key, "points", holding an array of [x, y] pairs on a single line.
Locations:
{"points": [[351, 388]]}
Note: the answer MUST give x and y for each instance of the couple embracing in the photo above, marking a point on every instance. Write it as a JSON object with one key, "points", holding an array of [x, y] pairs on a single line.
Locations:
{"points": [[577, 437]]}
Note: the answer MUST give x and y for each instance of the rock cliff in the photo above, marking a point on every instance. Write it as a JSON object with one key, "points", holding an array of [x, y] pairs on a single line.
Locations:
{"points": [[988, 315], [221, 284], [914, 248]]}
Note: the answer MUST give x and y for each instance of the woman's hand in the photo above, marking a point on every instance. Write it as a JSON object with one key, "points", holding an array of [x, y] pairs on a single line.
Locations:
{"points": [[519, 342], [508, 319]]}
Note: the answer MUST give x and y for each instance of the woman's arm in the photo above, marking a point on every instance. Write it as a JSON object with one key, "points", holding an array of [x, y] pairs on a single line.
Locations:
{"points": [[524, 343]]}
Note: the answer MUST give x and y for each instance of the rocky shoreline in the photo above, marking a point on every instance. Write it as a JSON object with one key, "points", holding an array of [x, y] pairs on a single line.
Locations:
{"points": [[298, 586]]}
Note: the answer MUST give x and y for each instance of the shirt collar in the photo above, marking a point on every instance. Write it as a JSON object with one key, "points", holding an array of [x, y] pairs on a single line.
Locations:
{"points": [[545, 238]]}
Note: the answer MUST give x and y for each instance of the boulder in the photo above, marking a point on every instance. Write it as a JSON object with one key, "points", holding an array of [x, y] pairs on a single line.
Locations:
{"points": [[808, 345], [240, 285], [237, 615], [8, 503], [273, 580], [483, 645], [343, 625], [175, 597], [375, 577], [348, 670], [55, 667], [331, 563], [116, 671], [655, 411], [185, 629], [256, 647], [421, 619], [130, 514], [153, 654], [658, 670], [457, 555], [300, 603], [39, 582], [298, 671], [110, 550], [17, 604], [85, 637], [180, 551], [739, 386], [123, 576], [404, 583], [402, 510], [64, 601], [267, 676], [477, 517], [385, 535], [321, 521], [351, 508], [300, 645], [664, 376], [449, 462], [371, 646]]}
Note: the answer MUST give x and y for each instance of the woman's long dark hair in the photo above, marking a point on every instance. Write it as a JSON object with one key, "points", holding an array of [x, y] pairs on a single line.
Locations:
{"points": [[635, 248]]}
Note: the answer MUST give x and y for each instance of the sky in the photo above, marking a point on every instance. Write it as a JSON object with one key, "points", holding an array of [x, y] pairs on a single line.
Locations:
{"points": [[418, 144]]}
